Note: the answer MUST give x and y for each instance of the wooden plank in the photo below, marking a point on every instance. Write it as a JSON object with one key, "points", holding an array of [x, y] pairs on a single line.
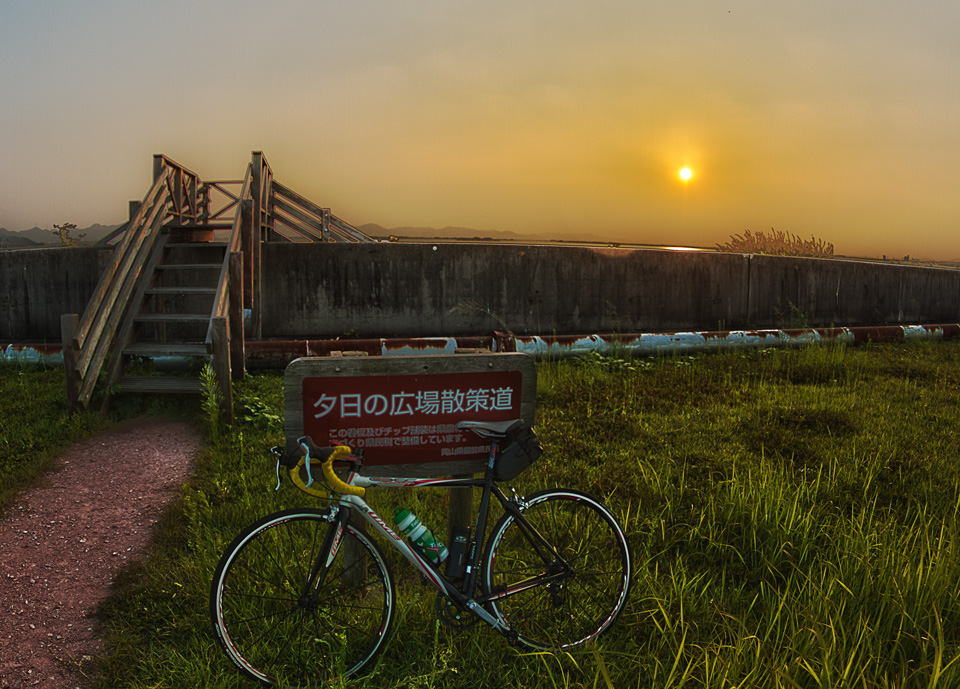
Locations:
{"points": [[246, 248], [189, 266], [150, 349], [259, 184], [237, 348], [182, 291], [302, 201], [386, 367], [172, 318], [219, 306], [313, 224], [309, 214], [161, 384], [346, 228]]}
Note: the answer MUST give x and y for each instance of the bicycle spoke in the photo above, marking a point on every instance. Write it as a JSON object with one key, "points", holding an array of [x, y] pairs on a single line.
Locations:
{"points": [[585, 579], [274, 628]]}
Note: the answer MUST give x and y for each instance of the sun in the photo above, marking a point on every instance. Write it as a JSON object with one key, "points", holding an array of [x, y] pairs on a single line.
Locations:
{"points": [[685, 174]]}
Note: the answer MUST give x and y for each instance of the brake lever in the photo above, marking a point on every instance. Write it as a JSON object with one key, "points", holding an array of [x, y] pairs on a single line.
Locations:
{"points": [[278, 453]]}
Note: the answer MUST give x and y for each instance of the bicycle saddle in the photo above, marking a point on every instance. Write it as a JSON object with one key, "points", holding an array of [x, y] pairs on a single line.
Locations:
{"points": [[490, 429]]}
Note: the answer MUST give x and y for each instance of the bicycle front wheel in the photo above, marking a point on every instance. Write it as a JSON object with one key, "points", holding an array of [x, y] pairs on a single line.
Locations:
{"points": [[577, 552], [279, 627]]}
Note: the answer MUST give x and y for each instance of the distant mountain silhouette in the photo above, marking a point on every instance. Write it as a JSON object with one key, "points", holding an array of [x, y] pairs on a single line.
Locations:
{"points": [[449, 232], [13, 240], [36, 236]]}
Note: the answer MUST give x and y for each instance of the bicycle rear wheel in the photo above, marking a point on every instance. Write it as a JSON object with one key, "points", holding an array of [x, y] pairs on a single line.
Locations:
{"points": [[279, 628], [585, 551]]}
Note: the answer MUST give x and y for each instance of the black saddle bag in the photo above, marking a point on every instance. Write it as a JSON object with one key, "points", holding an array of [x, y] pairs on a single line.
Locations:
{"points": [[518, 450]]}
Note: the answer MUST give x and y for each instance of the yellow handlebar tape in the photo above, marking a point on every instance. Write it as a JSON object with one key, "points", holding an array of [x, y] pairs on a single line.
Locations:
{"points": [[316, 489], [334, 480]]}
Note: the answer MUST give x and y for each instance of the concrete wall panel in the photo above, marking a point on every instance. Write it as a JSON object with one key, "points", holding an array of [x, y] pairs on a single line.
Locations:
{"points": [[406, 290], [802, 291], [38, 285]]}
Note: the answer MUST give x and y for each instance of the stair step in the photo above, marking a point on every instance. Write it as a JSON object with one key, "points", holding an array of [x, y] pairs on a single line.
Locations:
{"points": [[161, 384], [151, 349], [221, 247], [173, 318], [207, 226], [183, 291], [190, 266]]}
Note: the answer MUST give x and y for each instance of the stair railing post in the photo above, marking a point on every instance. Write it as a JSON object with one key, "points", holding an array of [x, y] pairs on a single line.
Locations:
{"points": [[68, 326], [221, 365], [259, 189], [246, 249], [325, 225], [237, 345]]}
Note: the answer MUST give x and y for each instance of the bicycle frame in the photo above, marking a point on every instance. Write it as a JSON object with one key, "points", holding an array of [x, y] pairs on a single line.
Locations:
{"points": [[346, 504]]}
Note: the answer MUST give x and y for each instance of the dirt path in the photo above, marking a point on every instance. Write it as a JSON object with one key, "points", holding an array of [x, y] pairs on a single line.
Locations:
{"points": [[62, 543]]}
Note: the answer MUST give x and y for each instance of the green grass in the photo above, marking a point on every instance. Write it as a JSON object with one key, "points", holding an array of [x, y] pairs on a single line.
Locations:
{"points": [[793, 517], [35, 425]]}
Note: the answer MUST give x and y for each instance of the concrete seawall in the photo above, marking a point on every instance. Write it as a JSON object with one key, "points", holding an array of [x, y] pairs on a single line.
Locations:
{"points": [[408, 290], [420, 290]]}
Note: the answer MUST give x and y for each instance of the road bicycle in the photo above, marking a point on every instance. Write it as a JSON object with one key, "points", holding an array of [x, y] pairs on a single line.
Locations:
{"points": [[305, 596]]}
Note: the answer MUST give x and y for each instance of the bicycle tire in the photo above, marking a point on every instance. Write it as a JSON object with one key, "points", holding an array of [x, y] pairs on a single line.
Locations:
{"points": [[263, 616], [578, 607]]}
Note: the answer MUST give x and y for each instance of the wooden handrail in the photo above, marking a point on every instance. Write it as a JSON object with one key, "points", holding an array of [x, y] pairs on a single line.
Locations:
{"points": [[313, 221], [108, 288], [174, 192]]}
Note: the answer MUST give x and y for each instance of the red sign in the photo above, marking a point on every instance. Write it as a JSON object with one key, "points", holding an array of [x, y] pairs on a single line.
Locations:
{"points": [[401, 419]]}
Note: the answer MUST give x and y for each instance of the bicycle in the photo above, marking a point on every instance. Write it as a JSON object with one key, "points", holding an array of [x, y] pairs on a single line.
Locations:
{"points": [[305, 596]]}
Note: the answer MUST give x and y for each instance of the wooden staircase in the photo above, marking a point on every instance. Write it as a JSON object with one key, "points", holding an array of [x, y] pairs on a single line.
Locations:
{"points": [[172, 294], [169, 316]]}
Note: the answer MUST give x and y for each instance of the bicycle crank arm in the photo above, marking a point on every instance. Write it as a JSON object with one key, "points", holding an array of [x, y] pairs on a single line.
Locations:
{"points": [[478, 610]]}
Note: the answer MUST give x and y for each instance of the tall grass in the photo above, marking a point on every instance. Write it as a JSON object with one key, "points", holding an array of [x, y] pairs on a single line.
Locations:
{"points": [[777, 243], [793, 517]]}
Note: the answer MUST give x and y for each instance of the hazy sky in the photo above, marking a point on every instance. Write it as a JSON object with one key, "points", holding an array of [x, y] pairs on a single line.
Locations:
{"points": [[826, 118]]}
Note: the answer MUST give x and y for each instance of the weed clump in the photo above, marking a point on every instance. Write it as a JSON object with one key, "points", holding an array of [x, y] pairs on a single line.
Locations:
{"points": [[777, 243]]}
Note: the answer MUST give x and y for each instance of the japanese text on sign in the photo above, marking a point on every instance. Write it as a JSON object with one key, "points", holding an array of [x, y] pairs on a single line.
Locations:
{"points": [[428, 402], [409, 418]]}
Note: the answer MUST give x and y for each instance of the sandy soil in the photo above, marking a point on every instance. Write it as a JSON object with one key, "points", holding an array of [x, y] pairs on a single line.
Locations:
{"points": [[63, 542]]}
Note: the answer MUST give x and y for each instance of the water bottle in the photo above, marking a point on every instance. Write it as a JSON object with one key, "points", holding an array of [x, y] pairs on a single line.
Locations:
{"points": [[420, 536]]}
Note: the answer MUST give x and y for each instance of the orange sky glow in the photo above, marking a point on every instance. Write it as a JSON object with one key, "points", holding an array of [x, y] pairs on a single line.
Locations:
{"points": [[563, 118]]}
